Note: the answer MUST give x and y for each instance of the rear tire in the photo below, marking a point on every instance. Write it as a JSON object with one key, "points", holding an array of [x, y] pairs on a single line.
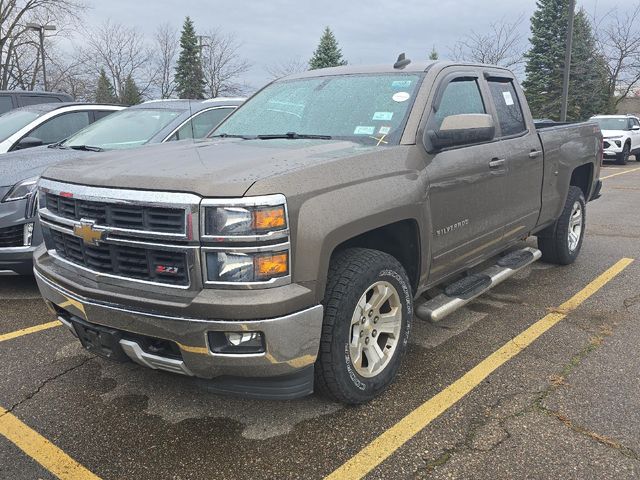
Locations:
{"points": [[368, 312], [623, 157], [561, 242]]}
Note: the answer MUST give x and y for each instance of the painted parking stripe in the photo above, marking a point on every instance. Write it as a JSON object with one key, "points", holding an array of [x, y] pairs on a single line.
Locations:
{"points": [[41, 450], [392, 439], [27, 331], [621, 173]]}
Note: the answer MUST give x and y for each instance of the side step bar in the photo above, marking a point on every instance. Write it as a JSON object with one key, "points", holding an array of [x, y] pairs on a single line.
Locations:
{"points": [[463, 291]]}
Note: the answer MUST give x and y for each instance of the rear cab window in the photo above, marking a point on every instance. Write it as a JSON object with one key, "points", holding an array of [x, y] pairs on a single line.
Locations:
{"points": [[508, 108]]}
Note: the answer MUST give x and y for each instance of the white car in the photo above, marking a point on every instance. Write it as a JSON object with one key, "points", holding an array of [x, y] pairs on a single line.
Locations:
{"points": [[47, 123], [621, 136]]}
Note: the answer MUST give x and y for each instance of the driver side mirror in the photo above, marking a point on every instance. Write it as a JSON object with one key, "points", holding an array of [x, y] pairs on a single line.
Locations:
{"points": [[635, 127], [28, 142], [465, 129]]}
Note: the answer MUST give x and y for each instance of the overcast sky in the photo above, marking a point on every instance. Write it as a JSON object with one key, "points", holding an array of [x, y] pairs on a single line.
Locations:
{"points": [[277, 30]]}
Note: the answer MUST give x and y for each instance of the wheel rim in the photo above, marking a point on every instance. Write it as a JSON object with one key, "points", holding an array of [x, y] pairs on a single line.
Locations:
{"points": [[626, 152], [375, 329], [575, 226]]}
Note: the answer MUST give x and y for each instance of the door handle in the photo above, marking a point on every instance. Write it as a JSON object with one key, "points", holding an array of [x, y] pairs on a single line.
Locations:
{"points": [[535, 153], [497, 163]]}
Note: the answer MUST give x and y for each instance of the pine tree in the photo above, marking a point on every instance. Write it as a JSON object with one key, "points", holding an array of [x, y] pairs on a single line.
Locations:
{"points": [[328, 53], [130, 93], [545, 64], [434, 54], [105, 92], [189, 77]]}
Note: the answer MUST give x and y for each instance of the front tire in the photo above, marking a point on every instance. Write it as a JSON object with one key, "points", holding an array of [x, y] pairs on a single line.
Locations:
{"points": [[561, 242], [368, 312], [623, 157]]}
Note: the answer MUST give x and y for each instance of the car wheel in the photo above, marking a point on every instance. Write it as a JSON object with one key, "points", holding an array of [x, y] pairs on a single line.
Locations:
{"points": [[561, 242], [368, 312], [623, 157]]}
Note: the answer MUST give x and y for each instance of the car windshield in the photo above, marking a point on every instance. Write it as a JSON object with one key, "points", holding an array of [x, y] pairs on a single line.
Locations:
{"points": [[14, 120], [613, 123], [366, 108], [127, 128]]}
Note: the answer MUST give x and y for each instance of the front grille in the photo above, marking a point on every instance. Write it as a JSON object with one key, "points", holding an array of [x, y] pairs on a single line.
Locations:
{"points": [[12, 236], [148, 264], [116, 215]]}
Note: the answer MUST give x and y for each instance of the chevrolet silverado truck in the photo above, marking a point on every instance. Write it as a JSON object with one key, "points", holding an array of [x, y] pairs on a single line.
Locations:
{"points": [[292, 249]]}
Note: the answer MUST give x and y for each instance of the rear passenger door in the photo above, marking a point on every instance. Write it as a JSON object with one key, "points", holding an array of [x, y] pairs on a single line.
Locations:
{"points": [[524, 158]]}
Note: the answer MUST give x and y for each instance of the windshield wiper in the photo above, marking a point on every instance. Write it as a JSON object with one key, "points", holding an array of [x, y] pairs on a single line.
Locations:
{"points": [[87, 148], [228, 135], [294, 136]]}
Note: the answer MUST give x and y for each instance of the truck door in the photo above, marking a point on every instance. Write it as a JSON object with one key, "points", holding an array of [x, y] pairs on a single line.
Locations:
{"points": [[466, 184], [523, 152], [634, 126]]}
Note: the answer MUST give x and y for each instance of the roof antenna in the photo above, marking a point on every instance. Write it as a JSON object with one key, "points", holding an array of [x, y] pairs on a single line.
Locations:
{"points": [[401, 62]]}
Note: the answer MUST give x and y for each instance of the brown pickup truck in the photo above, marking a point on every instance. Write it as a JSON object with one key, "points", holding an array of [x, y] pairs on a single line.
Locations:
{"points": [[292, 249]]}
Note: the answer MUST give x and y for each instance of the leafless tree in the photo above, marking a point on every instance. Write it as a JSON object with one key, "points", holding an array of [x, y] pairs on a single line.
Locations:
{"points": [[502, 45], [16, 41], [288, 67], [166, 49], [222, 66], [122, 52], [618, 37]]}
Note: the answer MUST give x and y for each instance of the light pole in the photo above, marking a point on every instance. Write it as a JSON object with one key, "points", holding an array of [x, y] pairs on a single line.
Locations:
{"points": [[567, 62], [41, 29]]}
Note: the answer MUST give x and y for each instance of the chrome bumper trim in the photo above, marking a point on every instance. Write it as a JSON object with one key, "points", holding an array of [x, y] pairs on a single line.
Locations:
{"points": [[155, 362]]}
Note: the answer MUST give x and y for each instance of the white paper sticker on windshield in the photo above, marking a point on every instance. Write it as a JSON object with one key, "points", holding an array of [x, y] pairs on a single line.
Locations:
{"points": [[364, 130], [401, 84], [384, 130], [508, 99], [383, 116], [401, 97]]}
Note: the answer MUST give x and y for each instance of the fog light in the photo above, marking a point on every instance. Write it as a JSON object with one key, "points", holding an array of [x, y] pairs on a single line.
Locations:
{"points": [[236, 342]]}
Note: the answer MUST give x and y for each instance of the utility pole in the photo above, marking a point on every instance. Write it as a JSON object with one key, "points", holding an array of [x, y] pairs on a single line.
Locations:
{"points": [[41, 31], [567, 62], [201, 44]]}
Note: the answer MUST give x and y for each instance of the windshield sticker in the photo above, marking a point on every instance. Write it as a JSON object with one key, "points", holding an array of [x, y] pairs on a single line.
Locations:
{"points": [[384, 130], [364, 130], [401, 84], [401, 97], [383, 116], [508, 99]]}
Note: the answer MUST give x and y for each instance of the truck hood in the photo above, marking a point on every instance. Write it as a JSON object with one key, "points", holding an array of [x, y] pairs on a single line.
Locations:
{"points": [[210, 168], [31, 162]]}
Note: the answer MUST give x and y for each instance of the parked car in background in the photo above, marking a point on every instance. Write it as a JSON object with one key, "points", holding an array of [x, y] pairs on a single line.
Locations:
{"points": [[621, 136], [148, 123], [10, 99], [47, 123]]}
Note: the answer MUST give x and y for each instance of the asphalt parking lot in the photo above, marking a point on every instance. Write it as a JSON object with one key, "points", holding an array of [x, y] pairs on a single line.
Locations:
{"points": [[537, 379]]}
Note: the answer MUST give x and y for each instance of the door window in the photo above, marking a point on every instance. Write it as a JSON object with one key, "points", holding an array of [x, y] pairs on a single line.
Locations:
{"points": [[6, 104], [99, 114], [60, 127], [508, 107], [460, 96], [202, 124]]}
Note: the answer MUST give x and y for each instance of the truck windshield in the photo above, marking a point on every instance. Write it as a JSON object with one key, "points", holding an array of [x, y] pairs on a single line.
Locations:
{"points": [[367, 108], [127, 128], [13, 121], [613, 123]]}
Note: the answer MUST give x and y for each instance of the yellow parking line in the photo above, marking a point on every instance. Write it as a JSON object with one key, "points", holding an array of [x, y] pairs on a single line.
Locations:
{"points": [[392, 439], [42, 450], [620, 173], [26, 331]]}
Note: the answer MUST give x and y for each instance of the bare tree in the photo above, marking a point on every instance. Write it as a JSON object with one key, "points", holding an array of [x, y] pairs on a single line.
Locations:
{"points": [[166, 49], [502, 45], [122, 52], [16, 40], [288, 67], [619, 43], [222, 66]]}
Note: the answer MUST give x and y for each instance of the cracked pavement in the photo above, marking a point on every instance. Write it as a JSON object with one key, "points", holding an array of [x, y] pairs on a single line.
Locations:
{"points": [[566, 407]]}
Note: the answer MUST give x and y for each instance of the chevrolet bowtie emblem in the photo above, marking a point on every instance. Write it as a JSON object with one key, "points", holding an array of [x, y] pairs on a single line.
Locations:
{"points": [[88, 232]]}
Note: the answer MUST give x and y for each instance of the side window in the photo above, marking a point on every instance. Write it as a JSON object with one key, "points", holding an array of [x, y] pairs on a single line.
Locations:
{"points": [[508, 107], [100, 114], [6, 104], [460, 96], [202, 124], [60, 127], [27, 100]]}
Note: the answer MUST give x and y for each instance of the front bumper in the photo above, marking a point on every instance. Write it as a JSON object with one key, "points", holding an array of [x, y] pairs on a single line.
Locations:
{"points": [[291, 341], [611, 147], [18, 214]]}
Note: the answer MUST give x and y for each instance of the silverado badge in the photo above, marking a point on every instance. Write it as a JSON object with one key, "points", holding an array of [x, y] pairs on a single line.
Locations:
{"points": [[88, 232]]}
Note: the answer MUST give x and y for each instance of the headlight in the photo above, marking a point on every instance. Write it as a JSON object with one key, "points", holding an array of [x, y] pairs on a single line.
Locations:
{"points": [[240, 267], [245, 219], [21, 190]]}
